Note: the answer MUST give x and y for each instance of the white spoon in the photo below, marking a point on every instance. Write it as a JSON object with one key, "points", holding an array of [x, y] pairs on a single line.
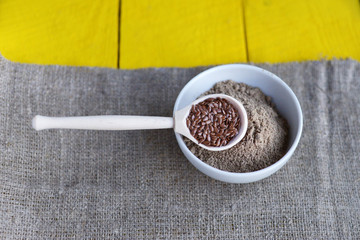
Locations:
{"points": [[114, 122]]}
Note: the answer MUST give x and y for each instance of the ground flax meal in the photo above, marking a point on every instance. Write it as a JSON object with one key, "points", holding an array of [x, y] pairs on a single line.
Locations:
{"points": [[266, 139]]}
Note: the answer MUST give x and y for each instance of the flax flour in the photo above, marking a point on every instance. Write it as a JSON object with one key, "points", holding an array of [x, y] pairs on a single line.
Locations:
{"points": [[266, 139]]}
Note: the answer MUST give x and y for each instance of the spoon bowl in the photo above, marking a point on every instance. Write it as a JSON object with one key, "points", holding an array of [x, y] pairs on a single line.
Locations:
{"points": [[181, 115]]}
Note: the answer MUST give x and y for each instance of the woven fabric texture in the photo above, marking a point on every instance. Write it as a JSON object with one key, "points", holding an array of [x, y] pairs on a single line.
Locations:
{"points": [[76, 184]]}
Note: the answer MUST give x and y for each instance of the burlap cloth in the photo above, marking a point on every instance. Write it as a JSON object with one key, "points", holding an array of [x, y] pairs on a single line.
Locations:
{"points": [[137, 184]]}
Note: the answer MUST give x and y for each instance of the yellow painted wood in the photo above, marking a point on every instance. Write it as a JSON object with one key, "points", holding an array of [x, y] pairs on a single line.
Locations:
{"points": [[67, 32], [181, 33], [282, 30]]}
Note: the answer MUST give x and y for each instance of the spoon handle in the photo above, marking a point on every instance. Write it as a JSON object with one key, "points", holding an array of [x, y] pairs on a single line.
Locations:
{"points": [[107, 122]]}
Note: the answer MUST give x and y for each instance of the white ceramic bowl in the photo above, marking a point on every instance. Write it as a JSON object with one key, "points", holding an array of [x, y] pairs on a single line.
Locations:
{"points": [[284, 98]]}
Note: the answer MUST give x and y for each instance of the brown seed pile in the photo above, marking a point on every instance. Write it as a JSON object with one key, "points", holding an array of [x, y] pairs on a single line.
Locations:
{"points": [[213, 122]]}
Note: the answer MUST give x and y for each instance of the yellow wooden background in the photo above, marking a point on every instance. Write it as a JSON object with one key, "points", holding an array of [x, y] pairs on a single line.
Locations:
{"points": [[182, 33]]}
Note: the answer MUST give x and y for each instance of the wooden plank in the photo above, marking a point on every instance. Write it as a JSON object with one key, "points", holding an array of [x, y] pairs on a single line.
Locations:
{"points": [[181, 33], [67, 32], [281, 30]]}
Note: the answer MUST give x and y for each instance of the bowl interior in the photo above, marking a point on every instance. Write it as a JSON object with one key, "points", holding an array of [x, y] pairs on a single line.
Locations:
{"points": [[270, 84]]}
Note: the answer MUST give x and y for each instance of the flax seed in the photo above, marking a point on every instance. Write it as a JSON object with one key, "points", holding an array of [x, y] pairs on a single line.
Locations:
{"points": [[213, 122]]}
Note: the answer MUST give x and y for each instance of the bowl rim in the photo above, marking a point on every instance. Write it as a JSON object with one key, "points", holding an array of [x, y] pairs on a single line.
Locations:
{"points": [[279, 163]]}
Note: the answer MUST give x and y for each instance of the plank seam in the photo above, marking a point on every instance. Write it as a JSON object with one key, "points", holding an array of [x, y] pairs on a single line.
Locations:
{"points": [[119, 32], [245, 32]]}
